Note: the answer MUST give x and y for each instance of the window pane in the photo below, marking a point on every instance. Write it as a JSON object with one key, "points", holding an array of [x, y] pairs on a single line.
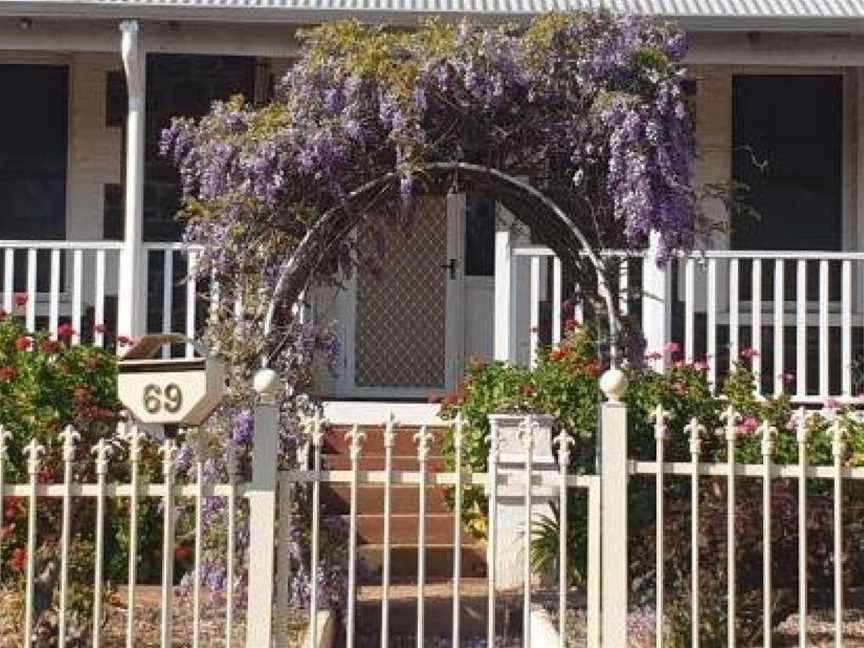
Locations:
{"points": [[480, 237]]}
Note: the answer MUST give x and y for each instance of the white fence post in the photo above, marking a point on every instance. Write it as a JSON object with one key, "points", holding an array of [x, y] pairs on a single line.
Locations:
{"points": [[504, 333], [613, 441], [656, 312], [262, 510]]}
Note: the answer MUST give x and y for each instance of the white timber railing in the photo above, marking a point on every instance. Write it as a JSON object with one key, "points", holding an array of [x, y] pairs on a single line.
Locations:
{"points": [[798, 315]]}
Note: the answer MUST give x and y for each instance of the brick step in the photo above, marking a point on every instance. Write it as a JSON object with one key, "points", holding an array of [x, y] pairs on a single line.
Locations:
{"points": [[370, 500], [439, 562], [404, 464], [403, 529], [373, 445]]}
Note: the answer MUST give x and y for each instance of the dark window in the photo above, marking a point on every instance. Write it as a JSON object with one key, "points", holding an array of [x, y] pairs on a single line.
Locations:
{"points": [[182, 86], [787, 147], [116, 102], [33, 133], [480, 237], [113, 225]]}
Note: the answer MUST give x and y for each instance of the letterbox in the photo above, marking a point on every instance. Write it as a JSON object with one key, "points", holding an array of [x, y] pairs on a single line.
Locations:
{"points": [[170, 391]]}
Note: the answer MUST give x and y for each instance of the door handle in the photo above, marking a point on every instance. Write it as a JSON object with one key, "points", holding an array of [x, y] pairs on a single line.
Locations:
{"points": [[451, 266]]}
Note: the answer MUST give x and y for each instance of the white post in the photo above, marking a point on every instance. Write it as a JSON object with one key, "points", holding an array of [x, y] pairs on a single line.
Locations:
{"points": [[656, 312], [131, 291], [614, 519], [262, 510], [513, 462], [504, 333]]}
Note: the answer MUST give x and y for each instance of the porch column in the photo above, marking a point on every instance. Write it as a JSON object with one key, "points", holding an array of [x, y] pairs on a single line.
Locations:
{"points": [[133, 284], [503, 325], [656, 303]]}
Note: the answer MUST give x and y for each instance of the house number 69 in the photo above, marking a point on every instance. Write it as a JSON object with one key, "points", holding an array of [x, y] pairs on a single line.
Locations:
{"points": [[155, 398]]}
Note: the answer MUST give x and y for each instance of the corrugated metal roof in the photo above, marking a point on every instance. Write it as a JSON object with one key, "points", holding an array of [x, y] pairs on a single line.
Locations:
{"points": [[754, 14]]}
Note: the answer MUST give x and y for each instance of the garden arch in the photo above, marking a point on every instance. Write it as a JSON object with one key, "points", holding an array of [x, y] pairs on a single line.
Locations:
{"points": [[530, 205]]}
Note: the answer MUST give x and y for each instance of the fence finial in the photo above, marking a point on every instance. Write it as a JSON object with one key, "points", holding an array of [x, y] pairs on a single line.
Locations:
{"points": [[168, 450], [802, 420], [5, 435], [660, 415], [769, 434], [101, 451], [356, 438], [390, 430], [838, 434], [458, 430], [423, 438], [732, 419], [34, 452], [316, 429], [614, 384], [696, 430], [564, 441], [69, 436]]}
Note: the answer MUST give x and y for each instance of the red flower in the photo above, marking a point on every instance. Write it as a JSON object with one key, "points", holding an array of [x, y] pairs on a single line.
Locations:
{"points": [[50, 346], [99, 328], [182, 553], [3, 314], [23, 343], [571, 324], [93, 364], [476, 364], [7, 374], [7, 531], [593, 369], [18, 562], [558, 354], [65, 332], [528, 390], [81, 394], [20, 299]]}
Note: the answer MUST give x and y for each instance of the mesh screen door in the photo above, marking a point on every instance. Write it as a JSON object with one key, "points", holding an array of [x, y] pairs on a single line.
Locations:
{"points": [[401, 310]]}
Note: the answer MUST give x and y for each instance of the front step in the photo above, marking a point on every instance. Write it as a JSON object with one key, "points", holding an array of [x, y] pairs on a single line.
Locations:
{"points": [[404, 508], [403, 562]]}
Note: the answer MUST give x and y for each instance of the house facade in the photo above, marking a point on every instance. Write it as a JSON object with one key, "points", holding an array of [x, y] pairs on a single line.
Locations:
{"points": [[87, 206]]}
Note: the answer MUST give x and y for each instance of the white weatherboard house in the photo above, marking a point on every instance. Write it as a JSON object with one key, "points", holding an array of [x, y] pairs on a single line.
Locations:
{"points": [[87, 207]]}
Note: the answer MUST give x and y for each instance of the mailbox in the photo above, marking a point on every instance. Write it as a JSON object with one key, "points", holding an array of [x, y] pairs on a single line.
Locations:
{"points": [[170, 391]]}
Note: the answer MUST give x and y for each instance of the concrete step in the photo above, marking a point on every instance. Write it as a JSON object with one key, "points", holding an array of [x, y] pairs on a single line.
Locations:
{"points": [[403, 529], [439, 562], [373, 445], [370, 499]]}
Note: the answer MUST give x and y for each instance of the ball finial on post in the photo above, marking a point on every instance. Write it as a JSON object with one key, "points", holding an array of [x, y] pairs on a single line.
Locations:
{"points": [[266, 384], [614, 384]]}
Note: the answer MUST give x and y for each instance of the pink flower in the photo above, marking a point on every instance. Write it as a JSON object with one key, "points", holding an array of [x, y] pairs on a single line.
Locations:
{"points": [[700, 365], [787, 378], [571, 324], [748, 426], [672, 348], [7, 374], [23, 343], [653, 356], [20, 299], [831, 403], [99, 328], [749, 353], [65, 332]]}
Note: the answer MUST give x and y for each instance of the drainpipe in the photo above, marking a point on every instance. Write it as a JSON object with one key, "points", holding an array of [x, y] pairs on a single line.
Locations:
{"points": [[132, 287]]}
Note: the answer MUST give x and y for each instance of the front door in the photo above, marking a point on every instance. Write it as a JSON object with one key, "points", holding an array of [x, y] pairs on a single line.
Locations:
{"points": [[407, 340]]}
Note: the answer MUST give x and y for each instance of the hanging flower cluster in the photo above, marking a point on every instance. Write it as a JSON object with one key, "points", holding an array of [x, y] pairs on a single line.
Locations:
{"points": [[591, 106]]}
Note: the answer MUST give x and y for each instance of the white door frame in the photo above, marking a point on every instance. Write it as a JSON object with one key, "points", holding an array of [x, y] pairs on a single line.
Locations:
{"points": [[454, 344]]}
